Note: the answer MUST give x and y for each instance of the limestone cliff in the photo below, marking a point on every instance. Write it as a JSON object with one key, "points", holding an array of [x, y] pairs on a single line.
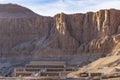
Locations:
{"points": [[20, 25], [23, 32]]}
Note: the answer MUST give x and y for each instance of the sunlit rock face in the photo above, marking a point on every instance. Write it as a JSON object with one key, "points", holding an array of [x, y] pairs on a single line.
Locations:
{"points": [[91, 32], [23, 32]]}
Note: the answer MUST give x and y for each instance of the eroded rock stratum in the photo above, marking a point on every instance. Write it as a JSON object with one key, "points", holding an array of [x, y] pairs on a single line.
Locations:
{"points": [[23, 32]]}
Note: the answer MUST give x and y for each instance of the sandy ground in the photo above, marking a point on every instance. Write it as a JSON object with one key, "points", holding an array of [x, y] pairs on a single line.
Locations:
{"points": [[107, 65]]}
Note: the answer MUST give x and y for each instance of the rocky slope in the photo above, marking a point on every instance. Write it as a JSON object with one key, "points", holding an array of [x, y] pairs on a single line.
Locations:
{"points": [[23, 32], [107, 66], [19, 25]]}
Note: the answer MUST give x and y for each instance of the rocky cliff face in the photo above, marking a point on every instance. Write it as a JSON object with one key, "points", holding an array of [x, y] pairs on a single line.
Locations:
{"points": [[22, 32], [19, 25], [93, 32]]}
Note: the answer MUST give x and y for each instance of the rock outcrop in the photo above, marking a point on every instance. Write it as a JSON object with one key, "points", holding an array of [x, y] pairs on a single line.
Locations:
{"points": [[23, 32]]}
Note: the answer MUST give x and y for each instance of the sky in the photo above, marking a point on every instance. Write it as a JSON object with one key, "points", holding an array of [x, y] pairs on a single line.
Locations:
{"points": [[52, 7]]}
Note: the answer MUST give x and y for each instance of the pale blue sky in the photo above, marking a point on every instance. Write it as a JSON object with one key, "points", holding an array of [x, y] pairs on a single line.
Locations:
{"points": [[52, 7]]}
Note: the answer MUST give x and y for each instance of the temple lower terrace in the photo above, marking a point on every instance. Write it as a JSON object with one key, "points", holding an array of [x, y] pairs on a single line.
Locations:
{"points": [[56, 70], [47, 69]]}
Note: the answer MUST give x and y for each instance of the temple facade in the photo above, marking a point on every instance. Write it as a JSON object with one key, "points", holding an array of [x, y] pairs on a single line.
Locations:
{"points": [[44, 69]]}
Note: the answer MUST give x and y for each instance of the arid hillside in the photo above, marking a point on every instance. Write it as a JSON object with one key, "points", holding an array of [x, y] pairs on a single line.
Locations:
{"points": [[23, 32], [107, 65]]}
